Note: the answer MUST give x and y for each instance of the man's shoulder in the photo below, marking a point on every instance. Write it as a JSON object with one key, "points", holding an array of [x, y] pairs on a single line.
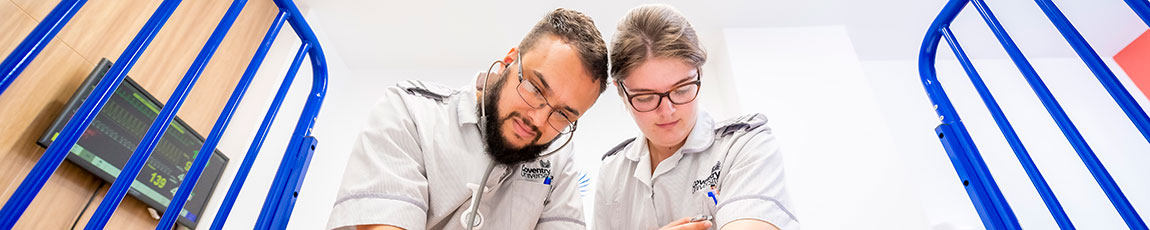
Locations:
{"points": [[416, 107], [426, 90], [417, 98]]}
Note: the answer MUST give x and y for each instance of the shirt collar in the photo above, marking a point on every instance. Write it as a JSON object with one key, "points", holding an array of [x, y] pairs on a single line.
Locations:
{"points": [[466, 107], [700, 138]]}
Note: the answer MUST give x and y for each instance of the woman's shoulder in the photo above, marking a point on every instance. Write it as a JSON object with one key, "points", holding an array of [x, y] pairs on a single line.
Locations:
{"points": [[744, 136], [618, 148], [739, 126]]}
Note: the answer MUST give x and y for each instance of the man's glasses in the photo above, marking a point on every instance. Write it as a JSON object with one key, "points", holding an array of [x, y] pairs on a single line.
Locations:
{"points": [[530, 94]]}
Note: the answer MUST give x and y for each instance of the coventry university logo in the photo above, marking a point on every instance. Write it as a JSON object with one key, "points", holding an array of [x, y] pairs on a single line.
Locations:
{"points": [[711, 180], [543, 171]]}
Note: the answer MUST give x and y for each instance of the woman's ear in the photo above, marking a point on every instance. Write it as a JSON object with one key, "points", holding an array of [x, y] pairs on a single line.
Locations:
{"points": [[619, 89]]}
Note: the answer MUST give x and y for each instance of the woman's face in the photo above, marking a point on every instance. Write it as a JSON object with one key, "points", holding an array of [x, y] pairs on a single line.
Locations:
{"points": [[668, 124]]}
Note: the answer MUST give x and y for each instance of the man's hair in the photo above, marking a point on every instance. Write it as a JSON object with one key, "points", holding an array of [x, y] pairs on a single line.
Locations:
{"points": [[650, 31], [577, 30]]}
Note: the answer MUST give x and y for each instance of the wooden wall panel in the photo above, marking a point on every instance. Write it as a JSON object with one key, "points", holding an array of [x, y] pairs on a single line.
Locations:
{"points": [[134, 217], [26, 110], [102, 29], [62, 200], [205, 101]]}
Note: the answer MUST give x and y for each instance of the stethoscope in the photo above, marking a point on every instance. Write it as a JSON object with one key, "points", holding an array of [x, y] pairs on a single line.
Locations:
{"points": [[472, 215]]}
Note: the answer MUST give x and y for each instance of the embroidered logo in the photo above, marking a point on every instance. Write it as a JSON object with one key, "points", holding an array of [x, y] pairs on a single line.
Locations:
{"points": [[543, 171], [711, 180]]}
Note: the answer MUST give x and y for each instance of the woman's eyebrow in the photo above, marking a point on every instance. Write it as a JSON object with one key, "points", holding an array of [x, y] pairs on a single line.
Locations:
{"points": [[681, 81]]}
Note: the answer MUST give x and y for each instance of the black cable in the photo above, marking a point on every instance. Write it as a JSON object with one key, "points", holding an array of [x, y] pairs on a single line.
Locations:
{"points": [[90, 199]]}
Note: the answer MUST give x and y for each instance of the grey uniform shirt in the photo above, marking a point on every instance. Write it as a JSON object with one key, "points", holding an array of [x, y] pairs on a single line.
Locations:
{"points": [[736, 161], [418, 152]]}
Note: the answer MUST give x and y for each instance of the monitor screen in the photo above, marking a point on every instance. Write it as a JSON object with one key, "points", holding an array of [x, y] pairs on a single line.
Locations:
{"points": [[104, 148]]}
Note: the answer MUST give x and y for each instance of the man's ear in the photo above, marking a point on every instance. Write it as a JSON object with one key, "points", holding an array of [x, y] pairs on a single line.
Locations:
{"points": [[512, 55]]}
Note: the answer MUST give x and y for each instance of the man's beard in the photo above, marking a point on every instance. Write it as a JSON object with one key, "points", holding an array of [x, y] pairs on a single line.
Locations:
{"points": [[496, 145]]}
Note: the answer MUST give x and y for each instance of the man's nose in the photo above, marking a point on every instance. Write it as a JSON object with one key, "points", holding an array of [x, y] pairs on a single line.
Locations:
{"points": [[539, 116]]}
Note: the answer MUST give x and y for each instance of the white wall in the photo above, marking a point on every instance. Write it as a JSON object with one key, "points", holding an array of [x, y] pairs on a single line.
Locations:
{"points": [[843, 171]]}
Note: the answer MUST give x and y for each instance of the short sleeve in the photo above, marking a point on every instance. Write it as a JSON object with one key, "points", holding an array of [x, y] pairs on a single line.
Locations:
{"points": [[753, 187], [384, 181]]}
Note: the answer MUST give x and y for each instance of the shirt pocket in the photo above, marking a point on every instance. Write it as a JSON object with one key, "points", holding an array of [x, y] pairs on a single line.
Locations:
{"points": [[704, 203], [527, 198], [610, 216]]}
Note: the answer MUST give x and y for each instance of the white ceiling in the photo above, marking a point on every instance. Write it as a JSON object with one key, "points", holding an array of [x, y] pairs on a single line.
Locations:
{"points": [[459, 34], [894, 29], [435, 34]]}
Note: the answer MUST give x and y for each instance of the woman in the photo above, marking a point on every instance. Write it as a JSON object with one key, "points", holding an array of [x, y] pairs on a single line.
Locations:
{"points": [[685, 166]]}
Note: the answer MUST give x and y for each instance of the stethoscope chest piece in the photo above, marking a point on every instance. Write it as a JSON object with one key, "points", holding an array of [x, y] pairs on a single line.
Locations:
{"points": [[478, 224], [476, 194]]}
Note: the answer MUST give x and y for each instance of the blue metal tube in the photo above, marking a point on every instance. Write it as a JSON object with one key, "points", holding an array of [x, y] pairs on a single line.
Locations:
{"points": [[278, 183], [1028, 165], [283, 90], [980, 186], [275, 201], [144, 150], [1105, 76], [1120, 95], [201, 160], [1064, 123], [37, 40], [1141, 8], [242, 173], [307, 117], [56, 152], [318, 59], [301, 158]]}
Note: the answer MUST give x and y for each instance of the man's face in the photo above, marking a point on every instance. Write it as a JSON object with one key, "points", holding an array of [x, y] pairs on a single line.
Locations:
{"points": [[518, 131]]}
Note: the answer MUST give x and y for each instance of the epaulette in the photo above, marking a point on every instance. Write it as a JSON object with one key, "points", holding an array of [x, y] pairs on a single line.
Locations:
{"points": [[617, 148], [431, 91], [745, 122]]}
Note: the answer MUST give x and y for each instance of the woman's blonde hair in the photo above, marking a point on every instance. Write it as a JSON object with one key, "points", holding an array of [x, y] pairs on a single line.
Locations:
{"points": [[650, 31]]}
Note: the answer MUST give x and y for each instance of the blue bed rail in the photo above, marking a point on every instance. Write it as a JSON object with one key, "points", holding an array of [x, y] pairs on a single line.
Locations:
{"points": [[288, 181], [992, 207]]}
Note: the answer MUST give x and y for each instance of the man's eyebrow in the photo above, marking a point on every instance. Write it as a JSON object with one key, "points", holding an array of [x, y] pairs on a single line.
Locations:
{"points": [[684, 80], [571, 110], [539, 76], [543, 82]]}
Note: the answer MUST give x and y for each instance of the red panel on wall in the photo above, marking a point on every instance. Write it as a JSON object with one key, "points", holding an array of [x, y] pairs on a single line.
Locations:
{"points": [[1135, 60]]}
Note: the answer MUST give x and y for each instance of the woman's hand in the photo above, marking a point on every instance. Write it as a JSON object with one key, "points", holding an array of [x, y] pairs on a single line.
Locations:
{"points": [[686, 224]]}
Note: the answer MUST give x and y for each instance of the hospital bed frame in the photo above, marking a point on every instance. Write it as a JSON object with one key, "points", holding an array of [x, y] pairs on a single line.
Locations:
{"points": [[280, 200], [992, 208]]}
